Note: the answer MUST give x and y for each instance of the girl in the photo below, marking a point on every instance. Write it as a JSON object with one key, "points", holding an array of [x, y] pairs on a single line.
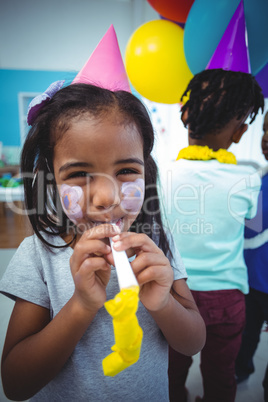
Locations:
{"points": [[90, 144]]}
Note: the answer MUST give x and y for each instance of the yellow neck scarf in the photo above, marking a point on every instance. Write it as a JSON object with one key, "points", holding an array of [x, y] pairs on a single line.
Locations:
{"points": [[204, 153]]}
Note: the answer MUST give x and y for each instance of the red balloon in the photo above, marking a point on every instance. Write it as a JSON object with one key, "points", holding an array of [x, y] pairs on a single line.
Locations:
{"points": [[181, 24], [175, 10]]}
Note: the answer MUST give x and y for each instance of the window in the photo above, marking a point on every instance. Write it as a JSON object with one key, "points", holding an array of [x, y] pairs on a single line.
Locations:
{"points": [[24, 99]]}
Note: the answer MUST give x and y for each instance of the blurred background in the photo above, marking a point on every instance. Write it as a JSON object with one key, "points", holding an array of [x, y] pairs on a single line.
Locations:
{"points": [[41, 42]]}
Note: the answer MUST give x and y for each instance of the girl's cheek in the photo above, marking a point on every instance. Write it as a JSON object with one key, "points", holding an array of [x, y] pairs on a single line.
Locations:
{"points": [[71, 201], [133, 195]]}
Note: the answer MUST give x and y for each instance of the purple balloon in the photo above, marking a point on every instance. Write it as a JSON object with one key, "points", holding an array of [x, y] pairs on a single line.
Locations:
{"points": [[262, 79], [181, 24]]}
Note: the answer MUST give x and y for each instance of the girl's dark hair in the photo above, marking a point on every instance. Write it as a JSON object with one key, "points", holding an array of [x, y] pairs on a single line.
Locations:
{"points": [[41, 196], [216, 97]]}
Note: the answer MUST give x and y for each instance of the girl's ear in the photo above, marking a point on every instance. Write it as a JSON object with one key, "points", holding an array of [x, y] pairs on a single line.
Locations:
{"points": [[237, 135]]}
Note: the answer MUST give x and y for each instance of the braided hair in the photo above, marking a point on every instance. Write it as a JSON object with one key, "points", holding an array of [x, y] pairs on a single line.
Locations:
{"points": [[218, 96]]}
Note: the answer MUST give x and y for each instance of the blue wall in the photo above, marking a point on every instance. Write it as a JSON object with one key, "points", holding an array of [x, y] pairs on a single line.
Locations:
{"points": [[11, 83]]}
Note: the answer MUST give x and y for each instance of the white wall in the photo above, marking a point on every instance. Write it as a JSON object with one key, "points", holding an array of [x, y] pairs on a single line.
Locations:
{"points": [[171, 135], [61, 34]]}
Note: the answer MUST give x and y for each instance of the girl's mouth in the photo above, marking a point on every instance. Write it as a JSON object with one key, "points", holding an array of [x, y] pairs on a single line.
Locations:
{"points": [[117, 222]]}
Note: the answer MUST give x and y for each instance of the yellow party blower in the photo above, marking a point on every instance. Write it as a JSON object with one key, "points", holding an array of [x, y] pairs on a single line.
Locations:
{"points": [[127, 332]]}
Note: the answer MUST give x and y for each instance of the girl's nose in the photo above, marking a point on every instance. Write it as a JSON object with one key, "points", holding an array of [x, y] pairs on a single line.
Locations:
{"points": [[106, 193]]}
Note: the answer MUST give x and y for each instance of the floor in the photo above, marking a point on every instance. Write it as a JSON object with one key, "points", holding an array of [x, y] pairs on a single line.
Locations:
{"points": [[249, 391], [16, 225]]}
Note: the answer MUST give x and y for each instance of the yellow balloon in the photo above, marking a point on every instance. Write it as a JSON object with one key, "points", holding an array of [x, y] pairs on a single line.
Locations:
{"points": [[155, 61]]}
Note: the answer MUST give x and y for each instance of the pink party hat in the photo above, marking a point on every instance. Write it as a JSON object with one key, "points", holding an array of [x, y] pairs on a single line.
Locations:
{"points": [[232, 51], [105, 67]]}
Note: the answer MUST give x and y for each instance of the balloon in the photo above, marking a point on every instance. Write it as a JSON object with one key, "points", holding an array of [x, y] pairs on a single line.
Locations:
{"points": [[207, 22], [181, 24], [155, 61], [262, 79], [175, 10]]}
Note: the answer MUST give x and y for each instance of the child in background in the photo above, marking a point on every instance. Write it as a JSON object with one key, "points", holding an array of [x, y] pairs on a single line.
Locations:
{"points": [[207, 197], [256, 258], [86, 146]]}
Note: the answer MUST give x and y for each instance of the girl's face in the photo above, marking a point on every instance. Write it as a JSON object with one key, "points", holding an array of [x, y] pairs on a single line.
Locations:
{"points": [[99, 171]]}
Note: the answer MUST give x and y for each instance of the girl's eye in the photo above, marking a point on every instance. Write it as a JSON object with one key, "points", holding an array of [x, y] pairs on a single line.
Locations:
{"points": [[126, 171], [78, 174]]}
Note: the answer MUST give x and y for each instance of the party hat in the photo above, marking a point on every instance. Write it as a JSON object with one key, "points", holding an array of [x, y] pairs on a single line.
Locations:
{"points": [[105, 67], [232, 51]]}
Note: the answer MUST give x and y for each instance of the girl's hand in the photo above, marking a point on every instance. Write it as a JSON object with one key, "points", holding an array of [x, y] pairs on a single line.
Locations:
{"points": [[90, 266], [151, 267]]}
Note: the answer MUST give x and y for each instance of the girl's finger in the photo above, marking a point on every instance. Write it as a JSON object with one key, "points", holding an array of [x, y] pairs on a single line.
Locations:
{"points": [[92, 243], [157, 274], [94, 264], [84, 249], [92, 270], [140, 241], [145, 260]]}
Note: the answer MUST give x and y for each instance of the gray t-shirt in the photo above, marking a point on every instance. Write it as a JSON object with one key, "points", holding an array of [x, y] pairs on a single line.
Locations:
{"points": [[43, 277]]}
